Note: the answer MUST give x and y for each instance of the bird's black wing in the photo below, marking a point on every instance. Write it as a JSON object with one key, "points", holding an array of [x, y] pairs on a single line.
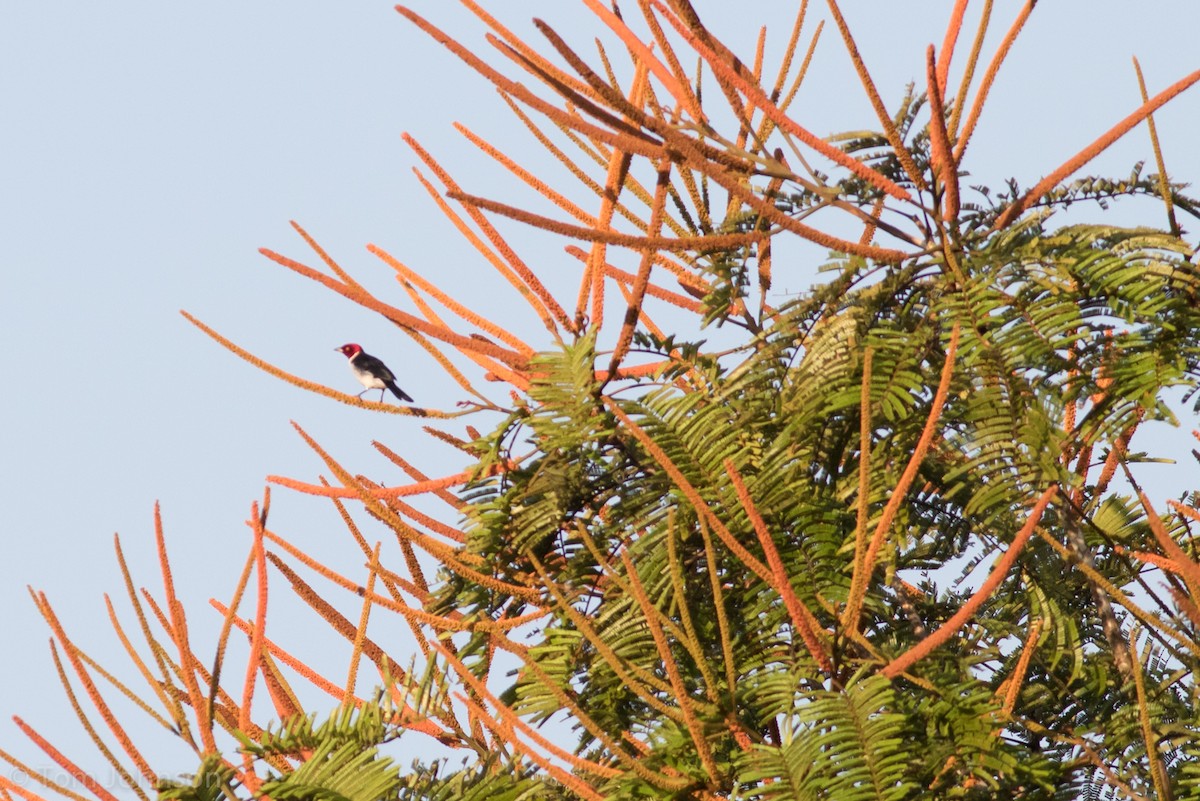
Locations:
{"points": [[375, 367]]}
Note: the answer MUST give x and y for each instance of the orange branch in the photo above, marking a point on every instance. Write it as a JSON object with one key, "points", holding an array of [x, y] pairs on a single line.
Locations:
{"points": [[477, 320]]}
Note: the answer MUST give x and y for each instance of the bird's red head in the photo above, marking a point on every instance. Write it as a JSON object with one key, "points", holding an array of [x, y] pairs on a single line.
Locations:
{"points": [[349, 350]]}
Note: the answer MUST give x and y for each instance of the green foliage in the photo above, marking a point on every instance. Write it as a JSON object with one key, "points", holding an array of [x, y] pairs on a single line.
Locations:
{"points": [[733, 552]]}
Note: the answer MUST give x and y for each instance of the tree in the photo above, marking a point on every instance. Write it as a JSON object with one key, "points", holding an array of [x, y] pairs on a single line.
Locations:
{"points": [[701, 568]]}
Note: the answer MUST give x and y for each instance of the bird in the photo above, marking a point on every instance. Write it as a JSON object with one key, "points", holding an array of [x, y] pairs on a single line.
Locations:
{"points": [[371, 372]]}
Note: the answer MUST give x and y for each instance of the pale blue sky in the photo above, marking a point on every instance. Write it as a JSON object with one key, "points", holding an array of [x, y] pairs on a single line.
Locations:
{"points": [[148, 149]]}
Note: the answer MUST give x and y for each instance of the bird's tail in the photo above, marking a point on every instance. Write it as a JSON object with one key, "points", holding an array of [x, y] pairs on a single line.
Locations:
{"points": [[399, 393]]}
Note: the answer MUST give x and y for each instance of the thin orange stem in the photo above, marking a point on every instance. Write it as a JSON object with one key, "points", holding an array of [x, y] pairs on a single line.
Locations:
{"points": [[646, 56]]}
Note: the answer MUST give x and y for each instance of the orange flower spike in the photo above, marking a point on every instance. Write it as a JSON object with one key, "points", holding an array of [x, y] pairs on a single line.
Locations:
{"points": [[1186, 604], [885, 119], [1164, 186], [260, 622], [503, 258], [748, 107], [1186, 511], [454, 502], [531, 180], [405, 274], [322, 570], [685, 16], [1094, 149], [325, 257], [420, 488], [786, 102], [940, 153], [690, 104], [652, 289], [74, 771], [227, 623], [785, 123], [530, 60], [967, 611], [36, 775], [698, 503], [399, 317], [444, 362], [575, 170], [625, 338], [414, 570], [863, 513], [93, 693], [858, 584], [135, 657], [641, 144], [683, 243], [187, 659], [1188, 569], [509, 722], [988, 77], [282, 697], [1022, 667], [645, 55], [449, 557], [1115, 455], [969, 71], [494, 259], [437, 526], [953, 28], [684, 276], [789, 52], [868, 234], [1161, 562], [776, 217], [516, 379], [802, 618], [680, 690], [638, 371]]}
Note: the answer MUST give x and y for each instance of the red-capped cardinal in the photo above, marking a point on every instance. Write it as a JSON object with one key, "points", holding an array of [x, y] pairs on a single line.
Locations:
{"points": [[371, 373]]}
